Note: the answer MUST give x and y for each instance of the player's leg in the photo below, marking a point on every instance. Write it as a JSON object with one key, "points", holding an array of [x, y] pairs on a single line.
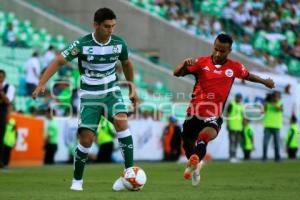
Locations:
{"points": [[117, 113], [191, 128], [124, 137], [86, 138], [208, 133], [90, 113], [126, 144], [196, 160]]}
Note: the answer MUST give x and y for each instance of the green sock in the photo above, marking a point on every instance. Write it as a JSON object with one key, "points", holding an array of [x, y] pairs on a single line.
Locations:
{"points": [[126, 145], [80, 159]]}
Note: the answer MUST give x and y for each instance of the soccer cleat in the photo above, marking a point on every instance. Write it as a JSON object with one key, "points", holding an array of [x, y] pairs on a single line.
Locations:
{"points": [[234, 160], [118, 185], [76, 185], [191, 166], [196, 174]]}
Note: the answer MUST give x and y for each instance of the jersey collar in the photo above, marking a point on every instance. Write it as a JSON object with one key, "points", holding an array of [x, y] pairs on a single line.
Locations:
{"points": [[99, 42], [218, 66]]}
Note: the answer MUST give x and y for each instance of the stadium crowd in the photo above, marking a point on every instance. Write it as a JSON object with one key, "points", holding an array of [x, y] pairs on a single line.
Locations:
{"points": [[267, 31]]}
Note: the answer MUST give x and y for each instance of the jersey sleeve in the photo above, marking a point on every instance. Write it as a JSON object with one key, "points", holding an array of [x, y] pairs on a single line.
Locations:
{"points": [[72, 50], [241, 71], [193, 69], [124, 52]]}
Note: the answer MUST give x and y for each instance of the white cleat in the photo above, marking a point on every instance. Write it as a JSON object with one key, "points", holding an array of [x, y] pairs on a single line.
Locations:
{"points": [[196, 174], [234, 160], [118, 185], [76, 185]]}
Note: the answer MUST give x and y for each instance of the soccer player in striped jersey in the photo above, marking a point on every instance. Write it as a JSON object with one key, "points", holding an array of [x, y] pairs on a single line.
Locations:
{"points": [[214, 75], [98, 54]]}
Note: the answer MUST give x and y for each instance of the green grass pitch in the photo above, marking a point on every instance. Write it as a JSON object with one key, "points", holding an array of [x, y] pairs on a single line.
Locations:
{"points": [[220, 180]]}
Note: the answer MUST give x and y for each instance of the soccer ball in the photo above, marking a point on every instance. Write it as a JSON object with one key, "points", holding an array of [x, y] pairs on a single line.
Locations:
{"points": [[134, 178]]}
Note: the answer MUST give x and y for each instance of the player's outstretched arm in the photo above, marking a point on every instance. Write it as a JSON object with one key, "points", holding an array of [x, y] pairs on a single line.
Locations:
{"points": [[268, 82], [181, 69], [51, 69]]}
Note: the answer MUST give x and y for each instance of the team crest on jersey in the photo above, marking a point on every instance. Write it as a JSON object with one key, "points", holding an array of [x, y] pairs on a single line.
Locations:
{"points": [[115, 49], [229, 72], [74, 51]]}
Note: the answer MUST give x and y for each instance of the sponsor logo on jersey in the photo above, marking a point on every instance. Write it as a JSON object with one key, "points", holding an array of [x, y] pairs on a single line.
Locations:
{"points": [[217, 72], [102, 59], [210, 120], [95, 74], [114, 58], [90, 50], [229, 72], [206, 68], [90, 58]]}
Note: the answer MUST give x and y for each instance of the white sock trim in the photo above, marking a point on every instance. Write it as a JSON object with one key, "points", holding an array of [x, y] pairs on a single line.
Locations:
{"points": [[123, 134], [83, 149]]}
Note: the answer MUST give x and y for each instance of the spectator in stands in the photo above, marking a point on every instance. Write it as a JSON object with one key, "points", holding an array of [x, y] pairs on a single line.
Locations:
{"points": [[245, 47], [47, 102], [9, 37], [286, 49], [296, 49], [189, 26], [272, 123], [49, 56], [32, 73], [171, 140], [280, 67], [7, 92], [51, 138], [173, 9]]}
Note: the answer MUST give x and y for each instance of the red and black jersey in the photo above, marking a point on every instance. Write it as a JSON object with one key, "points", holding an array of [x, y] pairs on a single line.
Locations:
{"points": [[213, 84]]}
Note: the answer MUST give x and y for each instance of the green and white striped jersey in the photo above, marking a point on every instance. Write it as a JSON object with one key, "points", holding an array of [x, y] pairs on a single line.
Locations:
{"points": [[97, 63]]}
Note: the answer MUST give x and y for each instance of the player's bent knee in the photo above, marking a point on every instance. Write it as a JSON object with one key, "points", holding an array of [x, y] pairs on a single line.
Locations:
{"points": [[207, 134], [120, 123], [86, 137]]}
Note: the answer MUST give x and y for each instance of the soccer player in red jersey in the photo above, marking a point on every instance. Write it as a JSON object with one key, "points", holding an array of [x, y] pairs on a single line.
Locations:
{"points": [[214, 75]]}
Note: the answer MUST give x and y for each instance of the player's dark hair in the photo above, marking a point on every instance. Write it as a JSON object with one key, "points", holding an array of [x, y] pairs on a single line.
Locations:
{"points": [[224, 38], [2, 72], [103, 14]]}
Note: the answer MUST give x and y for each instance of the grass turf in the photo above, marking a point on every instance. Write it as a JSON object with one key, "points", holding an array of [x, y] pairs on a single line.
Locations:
{"points": [[220, 180]]}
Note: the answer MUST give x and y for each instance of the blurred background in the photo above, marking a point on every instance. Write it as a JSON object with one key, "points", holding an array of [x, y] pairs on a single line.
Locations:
{"points": [[160, 34]]}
